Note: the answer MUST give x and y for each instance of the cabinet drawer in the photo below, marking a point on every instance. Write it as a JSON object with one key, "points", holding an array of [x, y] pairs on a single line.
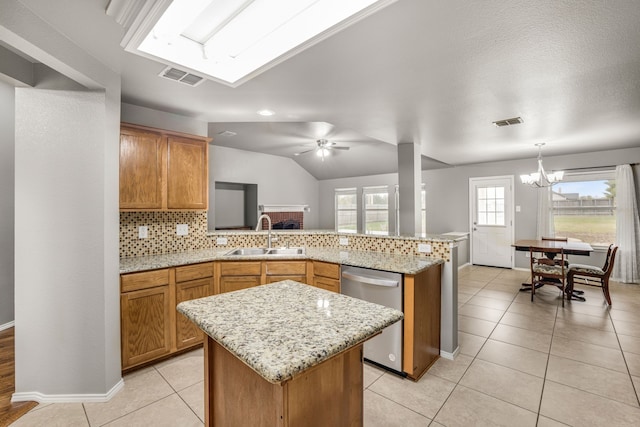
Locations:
{"points": [[328, 284], [144, 280], [326, 269], [286, 267], [194, 271], [248, 268]]}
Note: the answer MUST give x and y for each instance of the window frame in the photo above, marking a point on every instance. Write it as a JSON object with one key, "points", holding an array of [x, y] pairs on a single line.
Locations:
{"points": [[340, 192], [585, 176], [366, 191]]}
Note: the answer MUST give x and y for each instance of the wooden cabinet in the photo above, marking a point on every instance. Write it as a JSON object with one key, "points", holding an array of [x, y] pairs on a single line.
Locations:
{"points": [[326, 275], [145, 317], [276, 271], [142, 158], [151, 328], [192, 282], [239, 275], [162, 170], [421, 343]]}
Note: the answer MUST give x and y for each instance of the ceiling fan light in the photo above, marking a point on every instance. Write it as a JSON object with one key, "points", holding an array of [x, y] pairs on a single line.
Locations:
{"points": [[323, 152]]}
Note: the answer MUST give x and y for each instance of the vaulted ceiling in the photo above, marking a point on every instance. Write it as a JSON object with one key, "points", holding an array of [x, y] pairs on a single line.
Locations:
{"points": [[437, 73]]}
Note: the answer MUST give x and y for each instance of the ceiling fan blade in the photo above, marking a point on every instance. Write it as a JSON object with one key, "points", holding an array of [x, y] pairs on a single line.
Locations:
{"points": [[338, 148], [304, 152]]}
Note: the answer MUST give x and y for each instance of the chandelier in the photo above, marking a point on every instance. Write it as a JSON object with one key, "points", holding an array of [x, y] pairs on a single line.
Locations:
{"points": [[541, 178]]}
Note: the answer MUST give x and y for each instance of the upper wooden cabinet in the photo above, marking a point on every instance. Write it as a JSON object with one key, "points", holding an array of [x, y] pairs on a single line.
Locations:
{"points": [[162, 170]]}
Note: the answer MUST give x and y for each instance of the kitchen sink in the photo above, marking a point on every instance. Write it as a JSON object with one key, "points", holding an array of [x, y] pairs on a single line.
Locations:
{"points": [[248, 251], [286, 251], [265, 251]]}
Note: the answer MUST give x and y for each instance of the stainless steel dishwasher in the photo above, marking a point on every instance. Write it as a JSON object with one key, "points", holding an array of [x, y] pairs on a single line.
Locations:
{"points": [[384, 288]]}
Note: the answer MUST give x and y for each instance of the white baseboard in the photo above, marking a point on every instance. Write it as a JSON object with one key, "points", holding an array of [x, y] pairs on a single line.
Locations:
{"points": [[450, 356], [464, 265], [8, 325], [67, 398]]}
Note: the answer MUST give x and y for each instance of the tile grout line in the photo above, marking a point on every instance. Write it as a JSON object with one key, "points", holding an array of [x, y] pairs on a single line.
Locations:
{"points": [[624, 358]]}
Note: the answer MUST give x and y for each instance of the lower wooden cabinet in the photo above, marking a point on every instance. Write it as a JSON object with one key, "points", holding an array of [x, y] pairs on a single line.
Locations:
{"points": [[421, 339], [187, 333], [326, 275], [237, 275], [236, 283], [146, 332], [275, 271], [151, 328]]}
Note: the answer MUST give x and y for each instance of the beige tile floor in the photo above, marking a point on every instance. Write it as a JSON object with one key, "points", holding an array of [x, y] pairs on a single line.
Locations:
{"points": [[521, 363]]}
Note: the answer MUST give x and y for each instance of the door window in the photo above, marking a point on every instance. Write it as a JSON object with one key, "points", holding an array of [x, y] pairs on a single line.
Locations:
{"points": [[490, 206]]}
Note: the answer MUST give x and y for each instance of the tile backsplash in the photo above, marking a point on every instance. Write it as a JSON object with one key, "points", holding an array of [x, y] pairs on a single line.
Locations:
{"points": [[162, 237]]}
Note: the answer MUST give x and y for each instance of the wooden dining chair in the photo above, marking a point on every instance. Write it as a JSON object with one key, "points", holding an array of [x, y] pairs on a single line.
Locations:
{"points": [[547, 268], [592, 276], [558, 239]]}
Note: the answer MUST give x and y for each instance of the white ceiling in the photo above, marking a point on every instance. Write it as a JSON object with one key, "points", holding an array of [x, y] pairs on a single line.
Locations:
{"points": [[433, 72]]}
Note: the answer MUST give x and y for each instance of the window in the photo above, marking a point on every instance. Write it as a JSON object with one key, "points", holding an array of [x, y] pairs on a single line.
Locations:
{"points": [[346, 210], [490, 205], [584, 207], [376, 210], [423, 210]]}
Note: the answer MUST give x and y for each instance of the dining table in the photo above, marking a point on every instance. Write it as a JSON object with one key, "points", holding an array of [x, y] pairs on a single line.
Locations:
{"points": [[570, 247]]}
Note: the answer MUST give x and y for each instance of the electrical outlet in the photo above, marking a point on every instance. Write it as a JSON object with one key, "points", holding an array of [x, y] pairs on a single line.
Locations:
{"points": [[182, 229], [424, 248], [221, 241], [344, 241], [143, 232]]}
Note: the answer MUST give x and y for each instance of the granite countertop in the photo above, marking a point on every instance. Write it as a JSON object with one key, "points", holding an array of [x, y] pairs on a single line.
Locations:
{"points": [[282, 329], [397, 263]]}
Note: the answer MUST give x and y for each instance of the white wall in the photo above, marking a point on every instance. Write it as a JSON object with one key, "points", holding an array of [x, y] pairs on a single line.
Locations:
{"points": [[66, 348], [7, 117], [229, 207], [159, 119], [280, 180]]}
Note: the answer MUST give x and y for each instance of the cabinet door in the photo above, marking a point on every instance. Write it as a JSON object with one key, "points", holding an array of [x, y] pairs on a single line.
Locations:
{"points": [[235, 283], [141, 169], [326, 269], [187, 333], [145, 329], [297, 278], [187, 176]]}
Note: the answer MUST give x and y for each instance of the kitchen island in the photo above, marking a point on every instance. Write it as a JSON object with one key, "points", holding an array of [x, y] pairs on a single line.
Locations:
{"points": [[285, 354]]}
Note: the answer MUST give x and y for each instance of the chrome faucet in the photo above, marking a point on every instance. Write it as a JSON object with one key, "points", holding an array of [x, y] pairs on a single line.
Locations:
{"points": [[259, 227]]}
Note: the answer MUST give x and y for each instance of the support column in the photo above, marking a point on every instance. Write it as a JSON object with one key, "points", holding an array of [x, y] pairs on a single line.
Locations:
{"points": [[409, 181]]}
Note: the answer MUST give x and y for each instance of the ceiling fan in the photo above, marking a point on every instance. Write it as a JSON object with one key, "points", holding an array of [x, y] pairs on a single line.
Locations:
{"points": [[323, 149]]}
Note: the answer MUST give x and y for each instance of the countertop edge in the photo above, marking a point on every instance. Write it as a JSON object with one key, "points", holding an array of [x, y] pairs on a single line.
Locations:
{"points": [[332, 255]]}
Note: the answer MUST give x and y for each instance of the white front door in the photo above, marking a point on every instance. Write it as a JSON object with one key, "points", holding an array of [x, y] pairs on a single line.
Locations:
{"points": [[491, 205]]}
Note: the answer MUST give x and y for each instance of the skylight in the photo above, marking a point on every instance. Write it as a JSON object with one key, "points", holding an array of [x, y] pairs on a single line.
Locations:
{"points": [[232, 41]]}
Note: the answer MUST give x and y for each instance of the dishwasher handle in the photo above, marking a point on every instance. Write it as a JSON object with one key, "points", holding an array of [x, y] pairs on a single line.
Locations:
{"points": [[371, 280]]}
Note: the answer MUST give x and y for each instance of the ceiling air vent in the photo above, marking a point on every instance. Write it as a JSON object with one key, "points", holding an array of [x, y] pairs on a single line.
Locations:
{"points": [[508, 122], [181, 76]]}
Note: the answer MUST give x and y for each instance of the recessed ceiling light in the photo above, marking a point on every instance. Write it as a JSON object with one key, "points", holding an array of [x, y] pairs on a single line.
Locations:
{"points": [[266, 112], [233, 41]]}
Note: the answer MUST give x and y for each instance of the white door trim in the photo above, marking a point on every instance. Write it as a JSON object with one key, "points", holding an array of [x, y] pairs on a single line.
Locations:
{"points": [[511, 209]]}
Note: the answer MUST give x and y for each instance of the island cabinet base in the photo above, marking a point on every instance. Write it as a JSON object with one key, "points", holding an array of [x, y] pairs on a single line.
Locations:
{"points": [[329, 394]]}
